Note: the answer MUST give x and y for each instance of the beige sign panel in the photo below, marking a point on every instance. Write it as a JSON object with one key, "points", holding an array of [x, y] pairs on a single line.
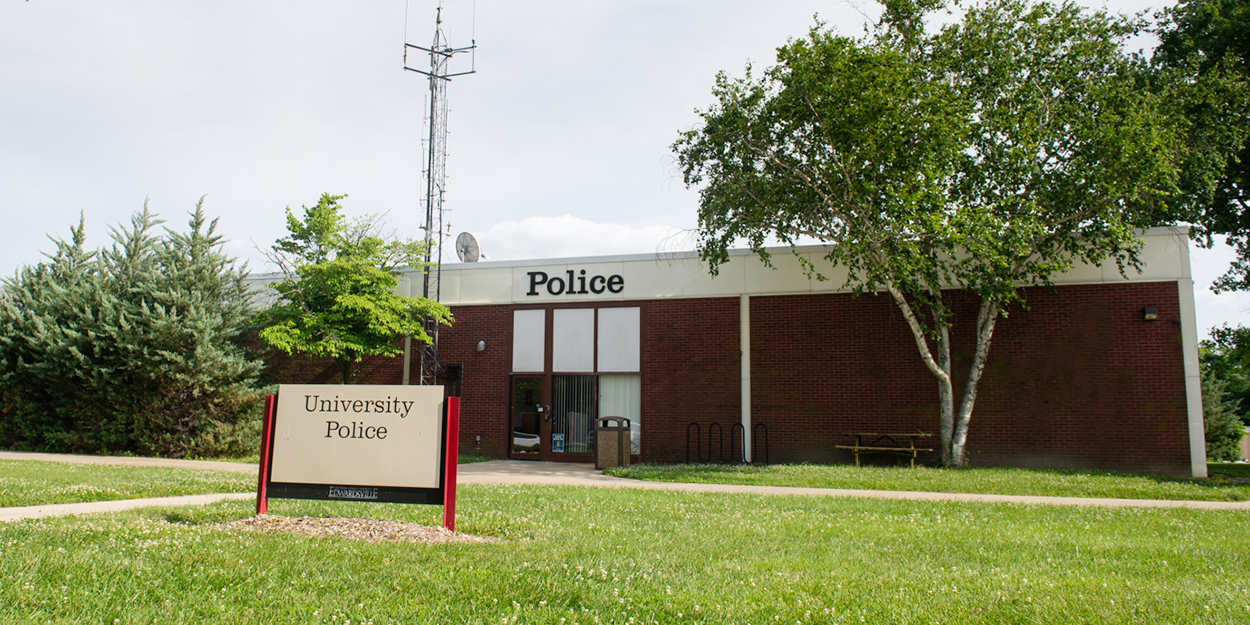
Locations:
{"points": [[358, 435]]}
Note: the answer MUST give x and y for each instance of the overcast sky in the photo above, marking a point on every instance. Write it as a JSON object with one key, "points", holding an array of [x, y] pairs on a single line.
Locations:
{"points": [[558, 145]]}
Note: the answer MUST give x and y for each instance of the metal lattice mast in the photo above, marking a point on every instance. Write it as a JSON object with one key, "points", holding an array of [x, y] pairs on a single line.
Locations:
{"points": [[440, 53]]}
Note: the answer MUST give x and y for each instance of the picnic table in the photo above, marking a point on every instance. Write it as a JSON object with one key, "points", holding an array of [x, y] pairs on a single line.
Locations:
{"points": [[886, 443]]}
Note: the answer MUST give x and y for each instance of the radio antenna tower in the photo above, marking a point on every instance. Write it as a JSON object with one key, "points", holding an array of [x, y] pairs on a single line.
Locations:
{"points": [[439, 74]]}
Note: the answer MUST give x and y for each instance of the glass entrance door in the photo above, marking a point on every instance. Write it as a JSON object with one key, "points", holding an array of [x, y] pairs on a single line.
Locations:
{"points": [[572, 414], [527, 417]]}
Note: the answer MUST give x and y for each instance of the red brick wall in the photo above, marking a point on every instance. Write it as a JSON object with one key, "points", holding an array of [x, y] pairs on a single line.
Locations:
{"points": [[1080, 380], [1077, 380], [484, 391], [690, 374], [286, 369], [827, 364]]}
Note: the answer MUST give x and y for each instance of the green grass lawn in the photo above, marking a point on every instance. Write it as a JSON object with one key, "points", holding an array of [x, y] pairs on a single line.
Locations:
{"points": [[1000, 481], [35, 482], [581, 555], [38, 482]]}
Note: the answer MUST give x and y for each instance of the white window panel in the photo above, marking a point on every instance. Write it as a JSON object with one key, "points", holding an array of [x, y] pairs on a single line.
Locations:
{"points": [[621, 396], [573, 340], [620, 342], [529, 340]]}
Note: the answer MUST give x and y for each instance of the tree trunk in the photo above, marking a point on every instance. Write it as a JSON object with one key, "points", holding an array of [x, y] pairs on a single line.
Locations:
{"points": [[946, 396], [986, 319], [953, 427], [940, 367]]}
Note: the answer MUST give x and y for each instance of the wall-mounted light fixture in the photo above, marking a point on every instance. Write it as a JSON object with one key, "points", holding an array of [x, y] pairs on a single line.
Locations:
{"points": [[1150, 313], [481, 346]]}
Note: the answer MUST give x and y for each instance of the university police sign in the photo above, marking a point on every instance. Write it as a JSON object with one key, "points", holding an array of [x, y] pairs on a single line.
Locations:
{"points": [[356, 443]]}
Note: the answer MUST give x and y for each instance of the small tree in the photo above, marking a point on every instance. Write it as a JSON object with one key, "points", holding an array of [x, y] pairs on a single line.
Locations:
{"points": [[337, 295], [990, 155], [1222, 426], [1226, 357], [135, 348]]}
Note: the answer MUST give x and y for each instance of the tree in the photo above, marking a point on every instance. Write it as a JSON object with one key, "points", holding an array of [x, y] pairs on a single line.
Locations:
{"points": [[337, 295], [1222, 426], [1212, 38], [138, 347], [991, 154], [1226, 356]]}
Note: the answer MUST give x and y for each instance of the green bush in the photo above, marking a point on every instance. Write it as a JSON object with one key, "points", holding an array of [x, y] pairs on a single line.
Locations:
{"points": [[135, 348]]}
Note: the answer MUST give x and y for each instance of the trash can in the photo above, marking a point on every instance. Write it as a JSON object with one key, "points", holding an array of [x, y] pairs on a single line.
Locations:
{"points": [[611, 442]]}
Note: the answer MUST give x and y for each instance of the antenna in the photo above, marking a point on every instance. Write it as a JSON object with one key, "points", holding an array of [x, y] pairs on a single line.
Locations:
{"points": [[439, 74]]}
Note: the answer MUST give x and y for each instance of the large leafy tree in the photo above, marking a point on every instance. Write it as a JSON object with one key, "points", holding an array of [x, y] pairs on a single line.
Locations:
{"points": [[137, 347], [336, 297], [990, 154], [1212, 37]]}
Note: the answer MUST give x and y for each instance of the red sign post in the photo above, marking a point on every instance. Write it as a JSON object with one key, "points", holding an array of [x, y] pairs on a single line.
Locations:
{"points": [[266, 454], [449, 470]]}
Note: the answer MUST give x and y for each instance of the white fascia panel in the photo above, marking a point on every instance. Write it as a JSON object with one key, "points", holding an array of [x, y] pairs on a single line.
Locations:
{"points": [[786, 275], [1081, 273], [694, 280], [448, 287], [483, 286], [684, 275], [1164, 257]]}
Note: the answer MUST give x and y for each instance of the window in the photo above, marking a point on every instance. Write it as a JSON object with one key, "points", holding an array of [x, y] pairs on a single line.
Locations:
{"points": [[529, 340], [621, 396]]}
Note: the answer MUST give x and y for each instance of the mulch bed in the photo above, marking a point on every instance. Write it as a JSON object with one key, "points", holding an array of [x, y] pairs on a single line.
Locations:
{"points": [[370, 530]]}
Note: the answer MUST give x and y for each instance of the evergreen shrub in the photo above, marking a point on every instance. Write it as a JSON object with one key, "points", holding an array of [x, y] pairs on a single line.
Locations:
{"points": [[136, 348], [1222, 425]]}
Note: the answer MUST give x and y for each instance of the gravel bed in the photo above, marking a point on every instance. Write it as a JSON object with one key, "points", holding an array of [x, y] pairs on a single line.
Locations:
{"points": [[371, 530]]}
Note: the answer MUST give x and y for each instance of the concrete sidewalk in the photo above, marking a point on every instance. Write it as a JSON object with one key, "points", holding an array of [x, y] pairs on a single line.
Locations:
{"points": [[563, 474], [95, 507], [242, 467], [560, 474]]}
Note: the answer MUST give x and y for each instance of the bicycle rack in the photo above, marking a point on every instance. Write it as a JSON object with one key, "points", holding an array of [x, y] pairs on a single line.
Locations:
{"points": [[740, 447], [698, 443], [755, 437], [736, 451], [720, 442]]}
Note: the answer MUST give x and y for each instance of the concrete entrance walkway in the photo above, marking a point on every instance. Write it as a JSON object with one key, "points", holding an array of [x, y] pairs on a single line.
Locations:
{"points": [[558, 474]]}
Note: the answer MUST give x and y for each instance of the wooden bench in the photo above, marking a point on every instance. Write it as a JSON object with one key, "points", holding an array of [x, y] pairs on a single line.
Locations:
{"points": [[885, 444]]}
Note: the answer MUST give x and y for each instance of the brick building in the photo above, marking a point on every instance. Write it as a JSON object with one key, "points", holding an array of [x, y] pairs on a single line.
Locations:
{"points": [[1078, 379]]}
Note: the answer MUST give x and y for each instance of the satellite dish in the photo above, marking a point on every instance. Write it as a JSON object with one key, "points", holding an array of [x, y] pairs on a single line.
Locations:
{"points": [[466, 248]]}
